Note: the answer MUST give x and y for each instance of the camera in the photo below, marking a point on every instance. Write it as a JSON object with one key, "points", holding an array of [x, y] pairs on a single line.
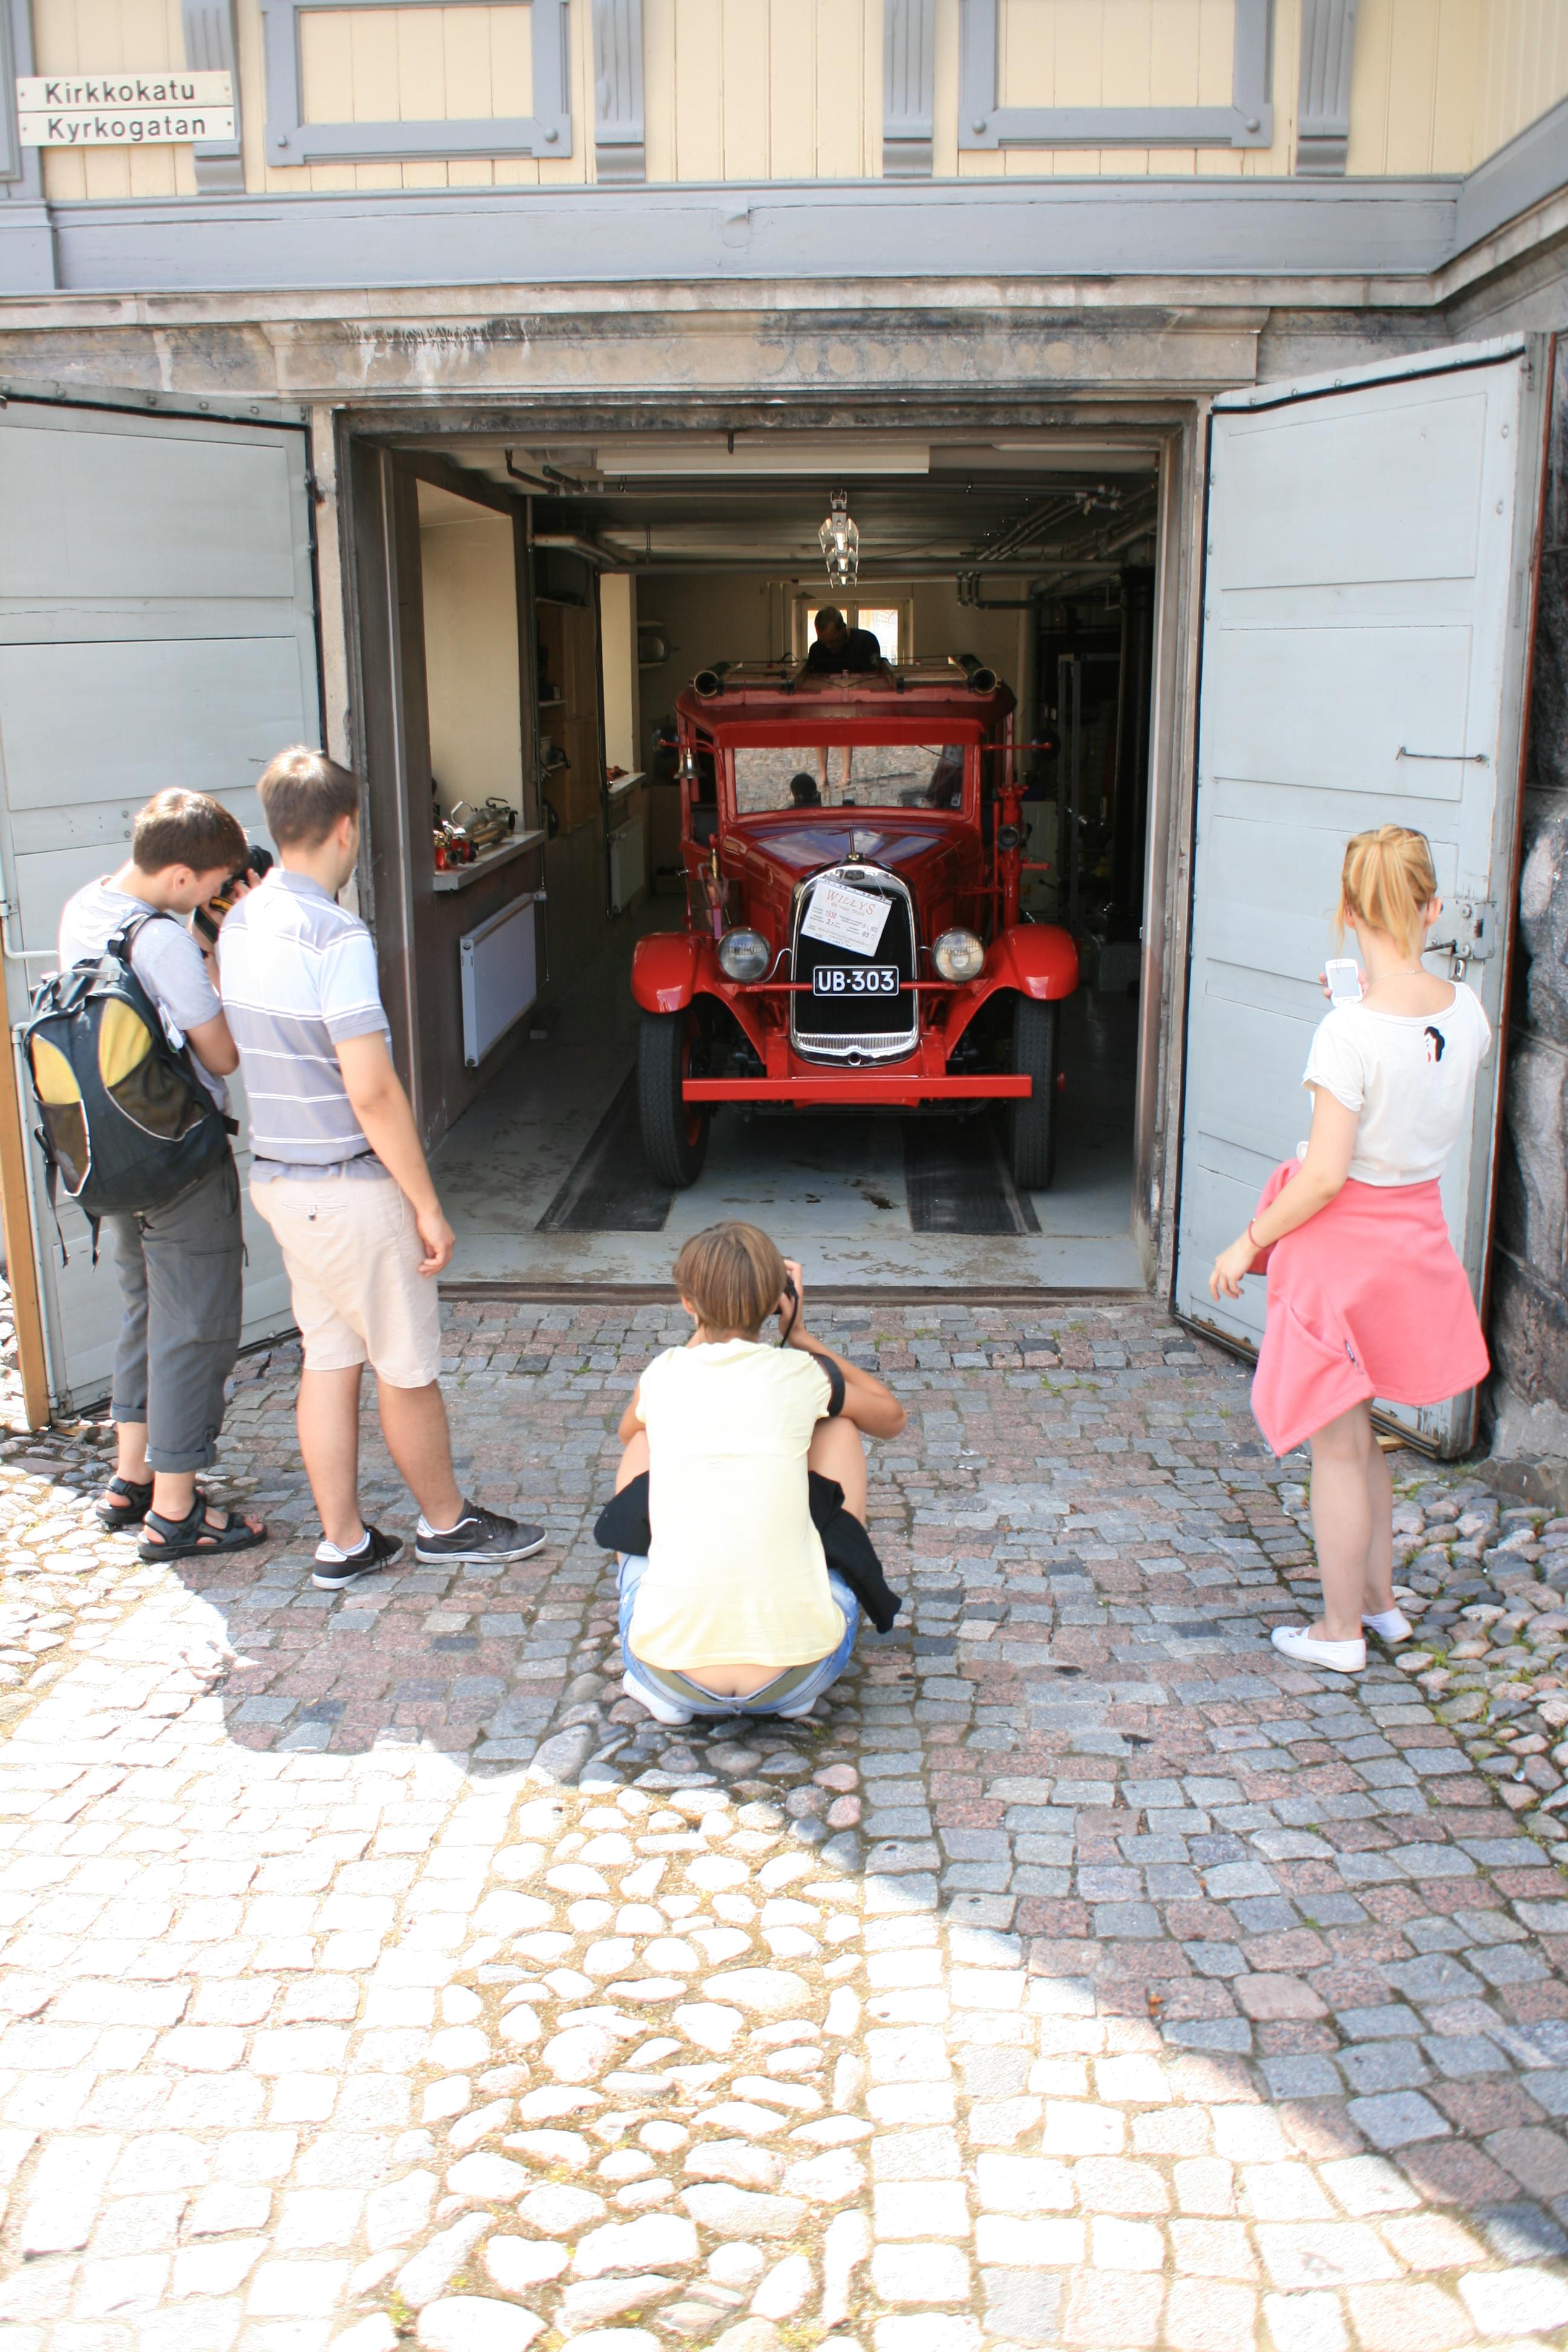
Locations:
{"points": [[257, 862]]}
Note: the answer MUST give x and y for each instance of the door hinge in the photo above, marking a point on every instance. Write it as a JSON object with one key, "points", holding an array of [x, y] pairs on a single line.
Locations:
{"points": [[1472, 928]]}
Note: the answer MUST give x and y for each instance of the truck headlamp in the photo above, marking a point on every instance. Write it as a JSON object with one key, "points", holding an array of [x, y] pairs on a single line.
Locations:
{"points": [[743, 955], [959, 955]]}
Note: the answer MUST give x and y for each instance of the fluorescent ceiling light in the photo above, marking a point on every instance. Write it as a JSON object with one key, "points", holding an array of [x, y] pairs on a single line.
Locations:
{"points": [[771, 453], [1112, 459]]}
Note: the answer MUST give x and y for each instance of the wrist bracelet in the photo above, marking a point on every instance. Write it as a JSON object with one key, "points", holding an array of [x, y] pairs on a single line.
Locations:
{"points": [[1252, 1237]]}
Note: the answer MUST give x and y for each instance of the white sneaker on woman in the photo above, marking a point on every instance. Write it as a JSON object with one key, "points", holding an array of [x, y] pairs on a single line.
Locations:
{"points": [[1388, 1624], [1300, 1643], [663, 1710]]}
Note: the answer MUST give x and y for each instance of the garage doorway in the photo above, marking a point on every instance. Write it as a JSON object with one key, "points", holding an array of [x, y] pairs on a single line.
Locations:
{"points": [[635, 562]]}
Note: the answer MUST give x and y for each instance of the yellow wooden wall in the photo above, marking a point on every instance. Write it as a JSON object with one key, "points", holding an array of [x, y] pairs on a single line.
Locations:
{"points": [[1117, 53], [411, 65], [792, 90], [759, 89], [111, 37], [381, 65], [1440, 85]]}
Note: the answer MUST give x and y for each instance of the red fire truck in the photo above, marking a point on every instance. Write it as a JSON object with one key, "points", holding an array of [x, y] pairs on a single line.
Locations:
{"points": [[854, 855]]}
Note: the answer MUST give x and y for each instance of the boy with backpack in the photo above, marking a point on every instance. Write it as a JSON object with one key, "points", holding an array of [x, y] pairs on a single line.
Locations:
{"points": [[179, 1263]]}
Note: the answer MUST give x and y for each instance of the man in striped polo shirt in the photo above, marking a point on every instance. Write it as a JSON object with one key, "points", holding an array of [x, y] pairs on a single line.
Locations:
{"points": [[340, 1175]]}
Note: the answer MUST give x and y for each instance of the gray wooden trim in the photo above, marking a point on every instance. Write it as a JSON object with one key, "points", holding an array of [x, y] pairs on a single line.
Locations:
{"points": [[1531, 167], [212, 46], [1323, 106], [28, 261], [10, 133], [546, 131], [908, 52], [1272, 228], [620, 152], [984, 122], [21, 170], [296, 415]]}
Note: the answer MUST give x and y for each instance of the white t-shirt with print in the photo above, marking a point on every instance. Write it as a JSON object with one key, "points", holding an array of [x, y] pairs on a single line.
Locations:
{"points": [[1409, 1075]]}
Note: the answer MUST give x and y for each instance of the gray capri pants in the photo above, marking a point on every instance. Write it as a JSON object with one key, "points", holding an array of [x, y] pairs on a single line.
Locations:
{"points": [[181, 1274]]}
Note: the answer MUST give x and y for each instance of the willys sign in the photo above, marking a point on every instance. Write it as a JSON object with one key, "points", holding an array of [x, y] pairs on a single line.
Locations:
{"points": [[124, 110]]}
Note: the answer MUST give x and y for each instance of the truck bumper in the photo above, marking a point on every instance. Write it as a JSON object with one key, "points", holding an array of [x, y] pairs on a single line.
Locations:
{"points": [[861, 1087]]}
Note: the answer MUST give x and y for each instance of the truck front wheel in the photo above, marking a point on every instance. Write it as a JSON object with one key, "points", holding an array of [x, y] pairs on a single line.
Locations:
{"points": [[674, 1132], [1032, 1121]]}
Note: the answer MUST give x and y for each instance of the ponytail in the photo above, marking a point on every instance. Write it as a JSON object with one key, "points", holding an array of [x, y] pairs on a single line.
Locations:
{"points": [[1387, 883]]}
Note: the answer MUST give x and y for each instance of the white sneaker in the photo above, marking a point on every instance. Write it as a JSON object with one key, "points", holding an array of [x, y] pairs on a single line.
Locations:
{"points": [[792, 1713], [1389, 1624], [663, 1710], [1296, 1641]]}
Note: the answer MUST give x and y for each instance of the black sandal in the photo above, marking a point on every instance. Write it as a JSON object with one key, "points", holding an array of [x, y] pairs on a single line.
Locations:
{"points": [[130, 1512], [191, 1537]]}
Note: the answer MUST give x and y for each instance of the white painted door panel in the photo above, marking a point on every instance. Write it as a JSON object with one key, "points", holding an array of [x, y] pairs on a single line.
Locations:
{"points": [[1366, 633], [157, 626]]}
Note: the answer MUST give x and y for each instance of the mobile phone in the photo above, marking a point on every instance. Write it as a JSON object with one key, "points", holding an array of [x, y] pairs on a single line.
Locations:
{"points": [[1343, 976]]}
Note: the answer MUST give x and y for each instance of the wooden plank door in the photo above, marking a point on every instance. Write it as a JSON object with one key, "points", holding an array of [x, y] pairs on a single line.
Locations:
{"points": [[1367, 625]]}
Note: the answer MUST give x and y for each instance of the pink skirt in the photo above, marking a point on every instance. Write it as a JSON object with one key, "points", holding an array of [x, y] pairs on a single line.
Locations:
{"points": [[1367, 1299]]}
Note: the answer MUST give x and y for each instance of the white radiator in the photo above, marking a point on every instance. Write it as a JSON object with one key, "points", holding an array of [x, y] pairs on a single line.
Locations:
{"points": [[626, 864], [500, 966]]}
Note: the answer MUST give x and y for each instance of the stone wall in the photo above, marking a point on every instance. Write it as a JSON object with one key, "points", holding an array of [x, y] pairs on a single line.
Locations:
{"points": [[1529, 1329]]}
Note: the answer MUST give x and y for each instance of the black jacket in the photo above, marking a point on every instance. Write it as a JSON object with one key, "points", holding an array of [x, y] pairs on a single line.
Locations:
{"points": [[622, 1525]]}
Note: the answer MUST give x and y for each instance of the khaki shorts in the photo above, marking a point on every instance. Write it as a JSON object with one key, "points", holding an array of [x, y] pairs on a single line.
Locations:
{"points": [[353, 1253]]}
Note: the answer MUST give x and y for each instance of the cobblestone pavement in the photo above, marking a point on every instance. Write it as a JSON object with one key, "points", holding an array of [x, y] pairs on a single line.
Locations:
{"points": [[1084, 1974]]}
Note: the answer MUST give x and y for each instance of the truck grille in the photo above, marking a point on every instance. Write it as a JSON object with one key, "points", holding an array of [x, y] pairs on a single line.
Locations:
{"points": [[884, 1027]]}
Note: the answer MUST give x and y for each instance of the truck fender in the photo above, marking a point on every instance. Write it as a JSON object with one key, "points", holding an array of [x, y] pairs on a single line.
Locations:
{"points": [[664, 970], [1038, 959]]}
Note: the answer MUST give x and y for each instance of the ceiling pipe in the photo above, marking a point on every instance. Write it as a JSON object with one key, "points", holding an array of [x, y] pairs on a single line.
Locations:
{"points": [[588, 549], [969, 596], [1015, 535], [801, 573], [548, 479], [529, 482]]}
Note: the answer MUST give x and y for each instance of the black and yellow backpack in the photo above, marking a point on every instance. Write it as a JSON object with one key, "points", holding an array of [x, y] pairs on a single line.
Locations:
{"points": [[128, 1125]]}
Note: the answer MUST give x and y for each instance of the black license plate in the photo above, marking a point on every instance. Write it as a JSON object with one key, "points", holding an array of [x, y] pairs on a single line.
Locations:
{"points": [[855, 980]]}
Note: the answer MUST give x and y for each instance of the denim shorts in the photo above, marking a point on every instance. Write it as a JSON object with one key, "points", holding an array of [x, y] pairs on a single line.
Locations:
{"points": [[795, 1687]]}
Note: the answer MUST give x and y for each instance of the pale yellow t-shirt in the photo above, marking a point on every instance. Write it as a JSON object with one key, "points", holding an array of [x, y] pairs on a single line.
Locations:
{"points": [[736, 1573]]}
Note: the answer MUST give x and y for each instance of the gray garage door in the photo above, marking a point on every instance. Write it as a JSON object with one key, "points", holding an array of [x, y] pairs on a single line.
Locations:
{"points": [[1366, 615], [157, 626]]}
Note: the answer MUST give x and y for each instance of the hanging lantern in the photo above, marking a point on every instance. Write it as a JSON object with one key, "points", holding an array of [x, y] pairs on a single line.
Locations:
{"points": [[840, 542]]}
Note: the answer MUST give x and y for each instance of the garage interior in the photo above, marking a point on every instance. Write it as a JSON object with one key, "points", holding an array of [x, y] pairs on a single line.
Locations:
{"points": [[553, 599]]}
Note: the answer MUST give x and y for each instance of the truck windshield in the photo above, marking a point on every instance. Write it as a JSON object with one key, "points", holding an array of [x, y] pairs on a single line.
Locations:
{"points": [[845, 775]]}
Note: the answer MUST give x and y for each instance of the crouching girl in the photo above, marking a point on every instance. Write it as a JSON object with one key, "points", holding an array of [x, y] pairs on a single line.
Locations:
{"points": [[1366, 1298], [742, 1460]]}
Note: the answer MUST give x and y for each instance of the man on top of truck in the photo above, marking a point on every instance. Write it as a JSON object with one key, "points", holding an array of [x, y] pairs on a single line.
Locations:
{"points": [[839, 649]]}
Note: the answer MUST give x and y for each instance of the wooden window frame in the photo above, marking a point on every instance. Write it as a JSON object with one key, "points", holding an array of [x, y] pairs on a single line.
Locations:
{"points": [[547, 131], [807, 602], [984, 124]]}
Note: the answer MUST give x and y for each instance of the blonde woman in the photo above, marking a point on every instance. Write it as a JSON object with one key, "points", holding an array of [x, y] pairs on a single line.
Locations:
{"points": [[1366, 1298], [739, 1509]]}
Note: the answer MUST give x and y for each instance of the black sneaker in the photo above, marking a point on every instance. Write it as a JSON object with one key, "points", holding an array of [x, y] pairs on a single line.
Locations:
{"points": [[375, 1552], [479, 1534]]}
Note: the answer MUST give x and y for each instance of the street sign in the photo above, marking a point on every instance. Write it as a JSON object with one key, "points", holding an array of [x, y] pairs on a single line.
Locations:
{"points": [[124, 110]]}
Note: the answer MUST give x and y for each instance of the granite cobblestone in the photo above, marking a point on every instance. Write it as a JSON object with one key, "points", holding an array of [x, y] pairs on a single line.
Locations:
{"points": [[1081, 1974]]}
